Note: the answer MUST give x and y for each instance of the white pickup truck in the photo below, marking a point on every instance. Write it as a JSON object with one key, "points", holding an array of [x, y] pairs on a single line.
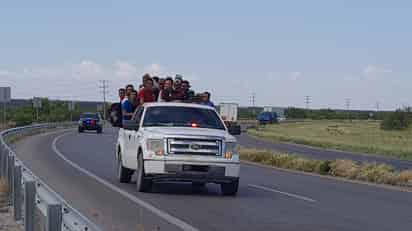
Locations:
{"points": [[177, 142]]}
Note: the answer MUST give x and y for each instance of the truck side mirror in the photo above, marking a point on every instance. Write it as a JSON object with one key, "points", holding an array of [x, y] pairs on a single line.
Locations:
{"points": [[234, 129], [130, 125]]}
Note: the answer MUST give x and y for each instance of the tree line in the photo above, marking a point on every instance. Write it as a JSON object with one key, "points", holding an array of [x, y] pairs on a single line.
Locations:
{"points": [[50, 111]]}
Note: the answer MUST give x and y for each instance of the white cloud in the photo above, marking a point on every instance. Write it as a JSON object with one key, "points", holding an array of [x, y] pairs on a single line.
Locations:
{"points": [[374, 71], [124, 69], [87, 69], [154, 69], [295, 75]]}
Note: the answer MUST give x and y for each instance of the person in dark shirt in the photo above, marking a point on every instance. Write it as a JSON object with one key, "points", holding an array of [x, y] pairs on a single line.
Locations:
{"points": [[146, 94], [205, 99], [161, 84], [179, 92], [117, 110], [166, 94], [135, 96], [156, 87], [188, 94]]}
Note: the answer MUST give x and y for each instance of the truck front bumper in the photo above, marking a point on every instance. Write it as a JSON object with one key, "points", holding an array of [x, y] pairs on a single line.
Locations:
{"points": [[205, 172]]}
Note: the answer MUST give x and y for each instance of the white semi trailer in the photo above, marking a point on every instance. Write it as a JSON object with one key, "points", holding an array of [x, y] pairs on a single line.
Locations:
{"points": [[229, 114]]}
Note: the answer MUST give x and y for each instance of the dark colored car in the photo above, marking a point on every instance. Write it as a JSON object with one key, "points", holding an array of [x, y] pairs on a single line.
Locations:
{"points": [[267, 118], [91, 122]]}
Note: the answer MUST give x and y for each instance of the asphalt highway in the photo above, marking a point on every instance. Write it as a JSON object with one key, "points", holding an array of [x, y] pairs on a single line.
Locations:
{"points": [[81, 168], [248, 141]]}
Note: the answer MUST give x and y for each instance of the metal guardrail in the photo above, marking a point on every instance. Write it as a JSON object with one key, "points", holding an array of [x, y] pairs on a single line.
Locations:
{"points": [[35, 204]]}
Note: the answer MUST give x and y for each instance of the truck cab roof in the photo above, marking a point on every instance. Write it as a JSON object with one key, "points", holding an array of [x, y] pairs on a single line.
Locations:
{"points": [[175, 104]]}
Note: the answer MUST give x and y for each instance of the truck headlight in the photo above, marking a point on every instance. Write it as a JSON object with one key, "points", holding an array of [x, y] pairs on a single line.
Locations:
{"points": [[156, 147], [231, 150]]}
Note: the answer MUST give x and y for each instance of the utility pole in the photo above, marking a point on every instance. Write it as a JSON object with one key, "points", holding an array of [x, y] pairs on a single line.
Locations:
{"points": [[104, 86], [253, 102], [307, 101], [347, 104], [253, 99]]}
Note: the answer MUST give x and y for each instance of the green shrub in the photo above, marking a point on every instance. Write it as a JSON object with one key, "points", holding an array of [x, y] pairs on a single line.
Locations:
{"points": [[397, 120], [23, 119], [324, 167]]}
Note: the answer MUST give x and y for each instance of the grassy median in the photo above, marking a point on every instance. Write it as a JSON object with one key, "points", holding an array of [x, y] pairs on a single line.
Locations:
{"points": [[357, 136], [370, 172]]}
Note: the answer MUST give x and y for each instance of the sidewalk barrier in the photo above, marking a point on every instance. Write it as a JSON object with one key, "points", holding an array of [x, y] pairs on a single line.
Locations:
{"points": [[30, 197]]}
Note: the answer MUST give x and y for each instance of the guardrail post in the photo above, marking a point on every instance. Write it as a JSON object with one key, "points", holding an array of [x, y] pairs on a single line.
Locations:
{"points": [[6, 167], [17, 193], [2, 153], [10, 176], [3, 164], [29, 205], [54, 217]]}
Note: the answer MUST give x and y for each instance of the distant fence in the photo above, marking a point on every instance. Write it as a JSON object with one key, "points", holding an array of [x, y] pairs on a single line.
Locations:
{"points": [[35, 204]]}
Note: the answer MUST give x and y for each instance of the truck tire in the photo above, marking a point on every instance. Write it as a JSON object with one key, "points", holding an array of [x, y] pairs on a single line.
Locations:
{"points": [[99, 130], [142, 183], [80, 129], [230, 189], [123, 174]]}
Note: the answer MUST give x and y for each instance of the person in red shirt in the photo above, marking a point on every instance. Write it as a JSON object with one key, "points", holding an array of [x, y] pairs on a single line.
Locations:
{"points": [[146, 94]]}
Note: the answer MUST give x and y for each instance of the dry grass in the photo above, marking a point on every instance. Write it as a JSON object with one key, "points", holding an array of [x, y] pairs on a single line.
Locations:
{"points": [[284, 160], [358, 136], [370, 172]]}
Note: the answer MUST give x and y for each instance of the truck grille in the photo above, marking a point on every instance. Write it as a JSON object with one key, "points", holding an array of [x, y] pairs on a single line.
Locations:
{"points": [[185, 146]]}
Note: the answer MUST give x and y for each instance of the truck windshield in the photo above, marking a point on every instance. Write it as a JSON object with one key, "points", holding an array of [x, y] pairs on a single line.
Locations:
{"points": [[171, 116]]}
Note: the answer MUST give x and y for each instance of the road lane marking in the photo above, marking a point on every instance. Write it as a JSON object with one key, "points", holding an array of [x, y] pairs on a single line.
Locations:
{"points": [[283, 193], [169, 218]]}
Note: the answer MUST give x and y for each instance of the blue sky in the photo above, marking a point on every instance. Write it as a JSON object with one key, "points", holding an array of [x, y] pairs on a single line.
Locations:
{"points": [[282, 50]]}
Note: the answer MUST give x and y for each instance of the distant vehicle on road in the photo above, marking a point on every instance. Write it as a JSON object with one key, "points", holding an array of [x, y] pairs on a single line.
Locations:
{"points": [[229, 114], [267, 117], [90, 121], [177, 142]]}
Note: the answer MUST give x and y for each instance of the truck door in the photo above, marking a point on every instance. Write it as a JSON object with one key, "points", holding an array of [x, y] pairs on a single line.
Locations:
{"points": [[133, 138]]}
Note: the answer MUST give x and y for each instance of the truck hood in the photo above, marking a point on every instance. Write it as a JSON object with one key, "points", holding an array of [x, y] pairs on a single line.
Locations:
{"points": [[180, 131]]}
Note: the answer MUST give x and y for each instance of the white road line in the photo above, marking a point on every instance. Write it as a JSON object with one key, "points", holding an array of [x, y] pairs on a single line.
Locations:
{"points": [[169, 218], [283, 193]]}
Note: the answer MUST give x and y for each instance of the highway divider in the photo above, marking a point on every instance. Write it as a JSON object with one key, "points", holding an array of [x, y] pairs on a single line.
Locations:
{"points": [[35, 204]]}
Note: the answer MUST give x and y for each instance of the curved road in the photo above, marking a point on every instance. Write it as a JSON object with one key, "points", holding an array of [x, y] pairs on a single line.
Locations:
{"points": [[268, 199]]}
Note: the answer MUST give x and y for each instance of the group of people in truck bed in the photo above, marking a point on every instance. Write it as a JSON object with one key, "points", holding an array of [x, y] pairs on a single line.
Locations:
{"points": [[155, 89]]}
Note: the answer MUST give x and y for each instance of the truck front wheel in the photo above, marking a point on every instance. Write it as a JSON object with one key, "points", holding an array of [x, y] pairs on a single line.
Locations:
{"points": [[142, 183], [230, 189], [123, 174]]}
